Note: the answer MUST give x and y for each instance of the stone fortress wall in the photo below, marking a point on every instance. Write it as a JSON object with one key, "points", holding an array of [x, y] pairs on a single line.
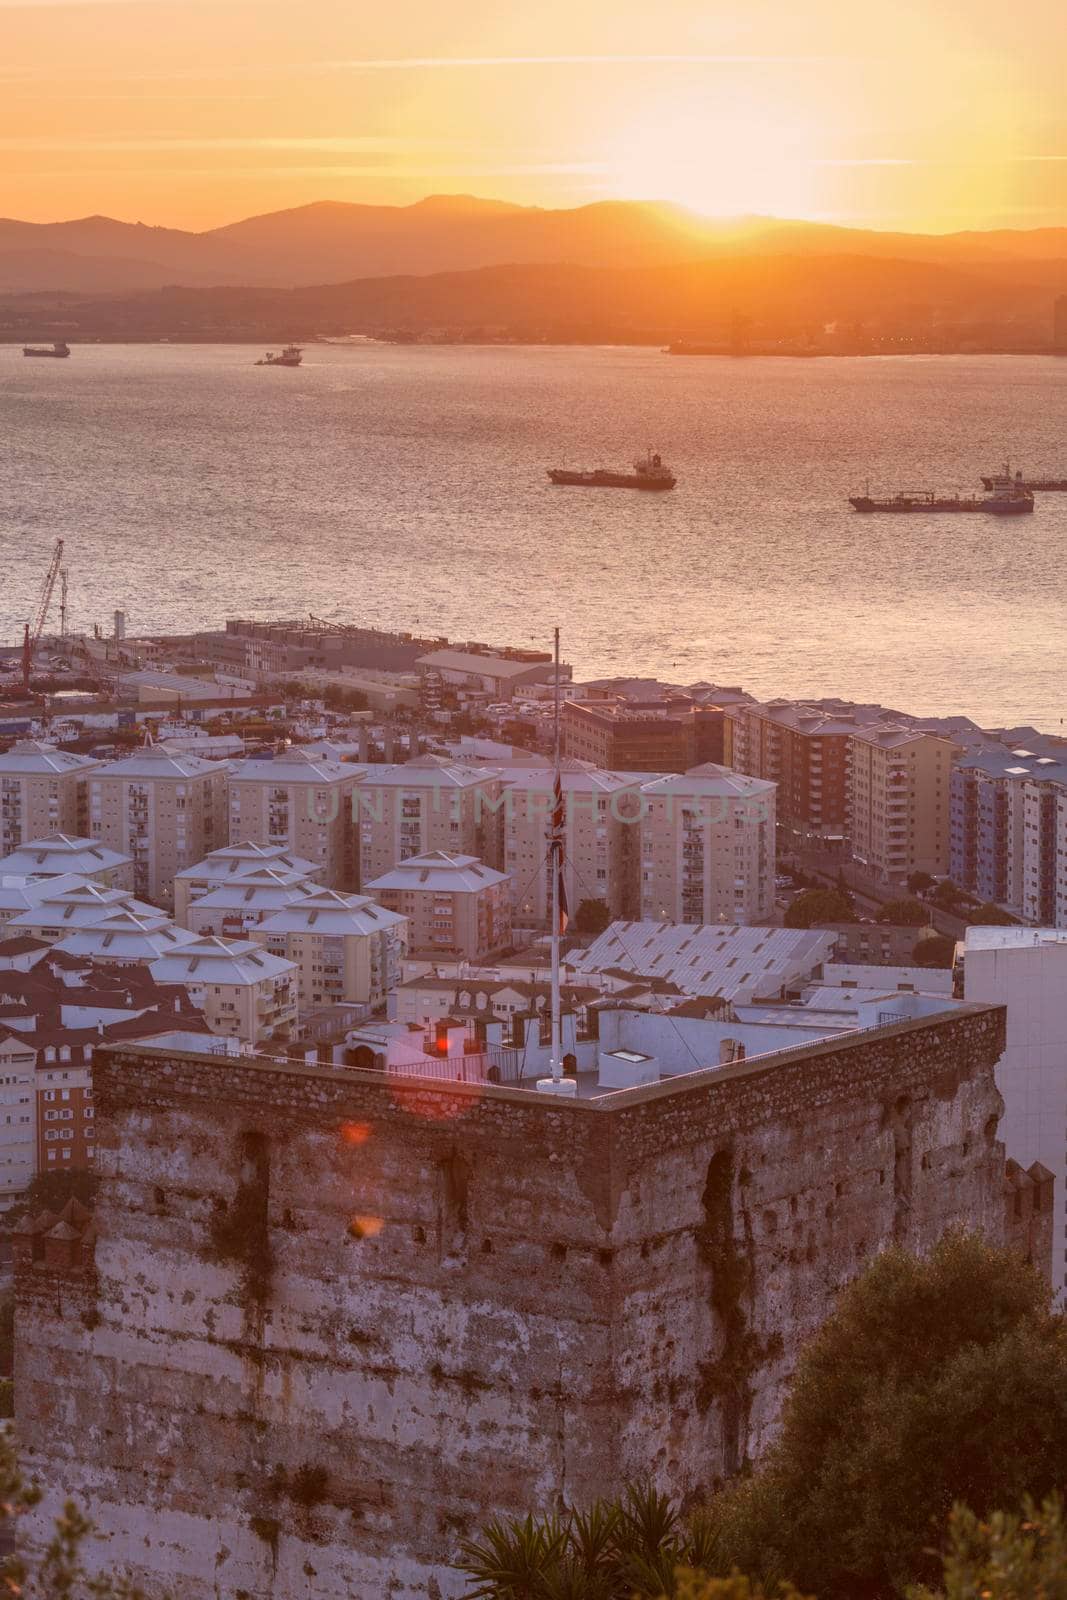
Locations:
{"points": [[324, 1325]]}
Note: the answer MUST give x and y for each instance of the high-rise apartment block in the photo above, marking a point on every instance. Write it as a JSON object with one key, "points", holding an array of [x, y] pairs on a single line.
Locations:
{"points": [[804, 750], [456, 907], [602, 821], [627, 735], [301, 802], [1009, 829], [225, 867], [344, 947], [708, 847], [427, 803], [898, 808], [43, 791], [164, 809]]}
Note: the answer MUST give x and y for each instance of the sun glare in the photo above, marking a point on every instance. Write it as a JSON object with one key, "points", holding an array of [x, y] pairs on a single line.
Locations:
{"points": [[717, 160]]}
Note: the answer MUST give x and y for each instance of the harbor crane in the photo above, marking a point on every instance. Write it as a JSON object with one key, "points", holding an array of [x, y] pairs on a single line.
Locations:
{"points": [[32, 636]]}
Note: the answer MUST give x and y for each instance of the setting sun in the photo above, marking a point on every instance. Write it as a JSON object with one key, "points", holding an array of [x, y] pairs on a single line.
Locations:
{"points": [[719, 159]]}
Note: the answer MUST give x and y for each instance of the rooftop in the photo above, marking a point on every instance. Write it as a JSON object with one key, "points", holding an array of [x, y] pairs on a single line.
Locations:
{"points": [[33, 756], [61, 852], [331, 912], [159, 762], [437, 870], [733, 961], [490, 666], [213, 960], [295, 766], [237, 860]]}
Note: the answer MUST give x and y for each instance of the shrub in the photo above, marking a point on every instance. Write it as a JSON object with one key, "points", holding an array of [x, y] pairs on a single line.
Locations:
{"points": [[932, 1381]]}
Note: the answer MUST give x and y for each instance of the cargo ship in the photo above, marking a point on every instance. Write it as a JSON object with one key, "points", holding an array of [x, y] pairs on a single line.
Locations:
{"points": [[291, 356], [58, 350], [1034, 485], [1009, 497], [650, 472]]}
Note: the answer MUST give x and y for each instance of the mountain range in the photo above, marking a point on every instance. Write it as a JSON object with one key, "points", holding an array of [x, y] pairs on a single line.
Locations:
{"points": [[334, 243]]}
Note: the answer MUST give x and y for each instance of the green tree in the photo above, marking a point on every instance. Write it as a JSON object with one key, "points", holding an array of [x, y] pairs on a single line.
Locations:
{"points": [[932, 1382], [1005, 1557], [990, 916], [592, 916], [919, 882], [50, 1191], [904, 913], [947, 894], [815, 907], [935, 951], [621, 1551], [60, 1573]]}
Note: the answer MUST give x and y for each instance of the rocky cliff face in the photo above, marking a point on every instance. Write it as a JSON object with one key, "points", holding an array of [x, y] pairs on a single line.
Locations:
{"points": [[329, 1323]]}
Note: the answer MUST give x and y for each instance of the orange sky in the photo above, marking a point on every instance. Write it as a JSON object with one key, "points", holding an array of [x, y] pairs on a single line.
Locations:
{"points": [[196, 112]]}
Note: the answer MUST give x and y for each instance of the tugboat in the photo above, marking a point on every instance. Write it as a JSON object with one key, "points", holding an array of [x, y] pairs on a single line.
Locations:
{"points": [[291, 356], [1009, 497], [650, 472], [58, 350]]}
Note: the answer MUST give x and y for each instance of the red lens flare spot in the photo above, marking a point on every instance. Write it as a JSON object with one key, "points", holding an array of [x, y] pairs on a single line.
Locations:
{"points": [[355, 1132], [365, 1227]]}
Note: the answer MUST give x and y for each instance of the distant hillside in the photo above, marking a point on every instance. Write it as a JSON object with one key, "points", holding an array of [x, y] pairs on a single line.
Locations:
{"points": [[333, 242], [784, 296]]}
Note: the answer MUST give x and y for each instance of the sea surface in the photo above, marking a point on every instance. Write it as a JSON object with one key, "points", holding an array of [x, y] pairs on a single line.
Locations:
{"points": [[405, 487]]}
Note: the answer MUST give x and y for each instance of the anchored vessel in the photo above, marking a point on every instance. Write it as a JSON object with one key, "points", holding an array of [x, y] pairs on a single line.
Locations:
{"points": [[291, 356], [58, 350], [1008, 497], [1034, 485], [650, 472]]}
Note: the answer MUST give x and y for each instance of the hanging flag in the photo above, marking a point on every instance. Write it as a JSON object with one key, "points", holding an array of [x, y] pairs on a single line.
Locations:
{"points": [[558, 838], [564, 916], [559, 812]]}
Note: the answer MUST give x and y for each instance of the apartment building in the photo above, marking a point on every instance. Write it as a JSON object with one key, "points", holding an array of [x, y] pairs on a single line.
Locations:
{"points": [[55, 1011], [65, 909], [234, 861], [61, 855], [626, 735], [1025, 970], [456, 908], [18, 1114], [428, 803], [1043, 895], [602, 818], [302, 803], [707, 847], [1008, 829], [233, 909], [244, 991], [123, 938], [343, 947], [898, 801], [164, 809], [42, 791], [804, 751]]}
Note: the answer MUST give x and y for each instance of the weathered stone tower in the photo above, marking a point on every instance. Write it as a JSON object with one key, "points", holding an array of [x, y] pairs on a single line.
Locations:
{"points": [[329, 1322]]}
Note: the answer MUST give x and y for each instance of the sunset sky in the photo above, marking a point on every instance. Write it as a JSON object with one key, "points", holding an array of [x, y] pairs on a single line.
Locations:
{"points": [[195, 112]]}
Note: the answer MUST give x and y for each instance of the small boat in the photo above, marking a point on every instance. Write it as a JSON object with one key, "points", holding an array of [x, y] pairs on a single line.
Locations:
{"points": [[1009, 497], [650, 472], [57, 351], [291, 356]]}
